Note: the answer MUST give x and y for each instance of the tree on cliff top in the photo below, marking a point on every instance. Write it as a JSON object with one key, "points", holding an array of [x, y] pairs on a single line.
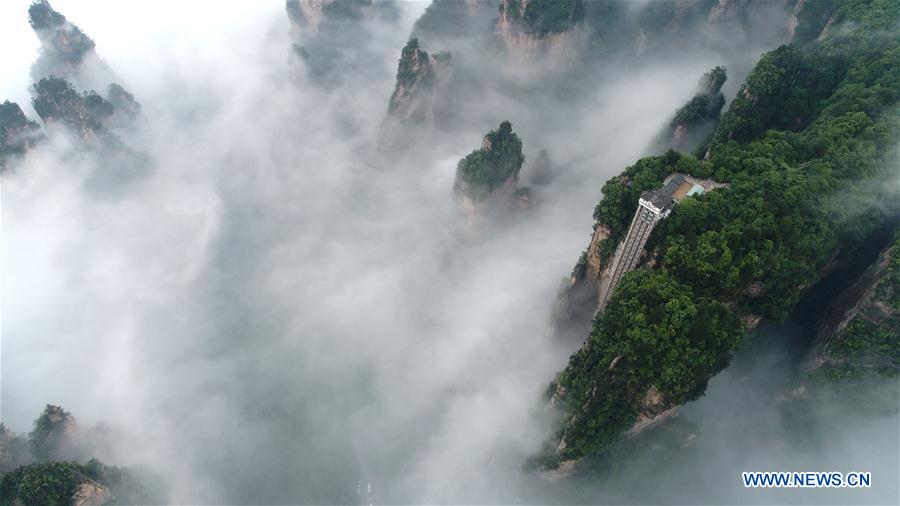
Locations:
{"points": [[484, 170]]}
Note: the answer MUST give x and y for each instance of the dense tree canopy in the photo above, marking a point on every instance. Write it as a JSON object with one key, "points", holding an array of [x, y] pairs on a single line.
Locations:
{"points": [[484, 170], [810, 138]]}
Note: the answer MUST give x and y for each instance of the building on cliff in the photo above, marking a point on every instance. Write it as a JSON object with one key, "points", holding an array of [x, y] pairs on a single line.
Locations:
{"points": [[653, 207]]}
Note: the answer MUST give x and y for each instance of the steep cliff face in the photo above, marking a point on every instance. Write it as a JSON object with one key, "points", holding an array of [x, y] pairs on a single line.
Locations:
{"points": [[420, 95], [88, 117], [487, 177], [18, 134], [63, 45], [419, 76], [578, 297], [532, 29], [690, 130], [55, 434], [57, 102], [66, 51], [861, 336]]}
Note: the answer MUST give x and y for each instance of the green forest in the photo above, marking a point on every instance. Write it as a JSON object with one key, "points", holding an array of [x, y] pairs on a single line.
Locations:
{"points": [[811, 124], [484, 170]]}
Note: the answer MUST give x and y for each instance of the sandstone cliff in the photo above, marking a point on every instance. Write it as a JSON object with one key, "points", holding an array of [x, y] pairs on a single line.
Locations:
{"points": [[66, 51], [861, 333], [18, 134], [420, 79], [487, 178], [537, 31], [90, 118]]}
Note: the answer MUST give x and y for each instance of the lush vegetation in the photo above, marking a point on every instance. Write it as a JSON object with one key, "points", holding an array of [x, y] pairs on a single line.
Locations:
{"points": [[36, 470], [693, 124], [55, 483], [812, 19], [56, 100], [484, 170], [888, 289], [810, 138], [52, 484], [872, 337], [655, 331], [621, 193], [699, 109], [785, 91], [41, 16], [880, 340], [50, 431]]}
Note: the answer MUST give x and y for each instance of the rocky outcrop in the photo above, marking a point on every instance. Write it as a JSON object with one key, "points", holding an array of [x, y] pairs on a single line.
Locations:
{"points": [[652, 410], [578, 298], [18, 134], [537, 30], [57, 102], [488, 177], [66, 51], [691, 129], [90, 493], [67, 63], [55, 434], [63, 45], [595, 270], [419, 77], [88, 116]]}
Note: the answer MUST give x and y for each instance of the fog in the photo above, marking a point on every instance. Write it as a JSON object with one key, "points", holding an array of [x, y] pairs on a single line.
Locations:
{"points": [[277, 313]]}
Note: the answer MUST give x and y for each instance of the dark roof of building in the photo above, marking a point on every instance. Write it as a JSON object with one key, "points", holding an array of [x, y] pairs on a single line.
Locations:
{"points": [[665, 196]]}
